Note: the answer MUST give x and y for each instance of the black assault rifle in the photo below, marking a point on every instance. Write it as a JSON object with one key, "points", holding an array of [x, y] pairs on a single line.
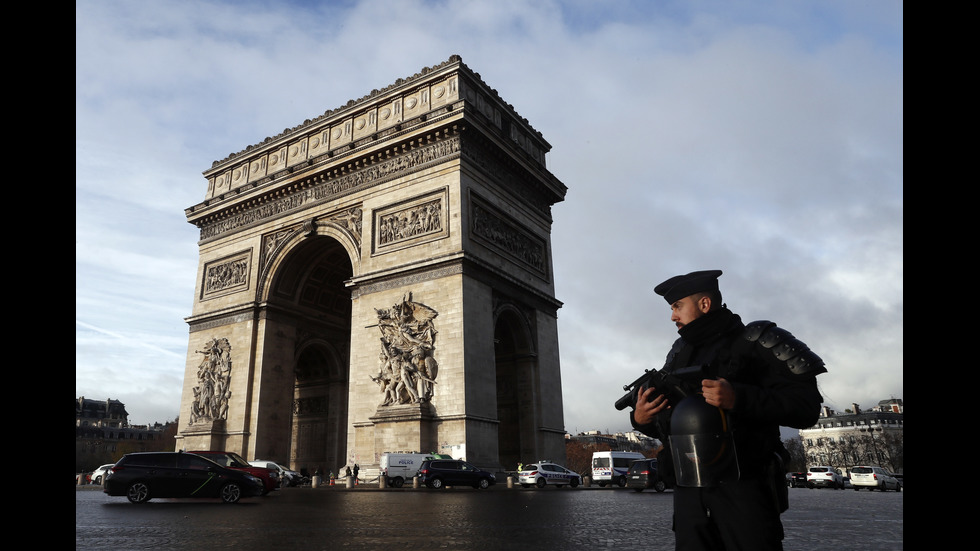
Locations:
{"points": [[676, 385]]}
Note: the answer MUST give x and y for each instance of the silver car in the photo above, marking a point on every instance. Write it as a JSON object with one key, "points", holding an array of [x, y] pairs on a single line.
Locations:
{"points": [[873, 478]]}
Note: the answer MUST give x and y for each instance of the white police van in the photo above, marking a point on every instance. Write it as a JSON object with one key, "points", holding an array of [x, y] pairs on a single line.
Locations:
{"points": [[399, 467], [612, 467]]}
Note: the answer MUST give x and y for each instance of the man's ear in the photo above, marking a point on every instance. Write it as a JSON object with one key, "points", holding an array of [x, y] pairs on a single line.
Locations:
{"points": [[704, 304]]}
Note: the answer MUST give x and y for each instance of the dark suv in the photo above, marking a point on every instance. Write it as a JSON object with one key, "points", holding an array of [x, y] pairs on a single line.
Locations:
{"points": [[270, 478], [438, 473], [145, 475], [796, 480], [644, 474]]}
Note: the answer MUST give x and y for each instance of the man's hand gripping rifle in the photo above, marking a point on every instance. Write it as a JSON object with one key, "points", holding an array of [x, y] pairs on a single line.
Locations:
{"points": [[676, 385]]}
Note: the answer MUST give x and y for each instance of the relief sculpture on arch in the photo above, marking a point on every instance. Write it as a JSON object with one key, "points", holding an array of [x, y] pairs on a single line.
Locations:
{"points": [[407, 368], [214, 382]]}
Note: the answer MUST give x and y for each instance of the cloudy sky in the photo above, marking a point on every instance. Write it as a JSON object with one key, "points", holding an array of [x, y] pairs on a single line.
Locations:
{"points": [[762, 138]]}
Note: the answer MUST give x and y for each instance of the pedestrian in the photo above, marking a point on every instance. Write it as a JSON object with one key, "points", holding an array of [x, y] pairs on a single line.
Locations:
{"points": [[347, 474], [722, 448], [356, 468]]}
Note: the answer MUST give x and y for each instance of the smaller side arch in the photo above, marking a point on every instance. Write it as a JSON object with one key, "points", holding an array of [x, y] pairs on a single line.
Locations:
{"points": [[334, 358], [511, 319]]}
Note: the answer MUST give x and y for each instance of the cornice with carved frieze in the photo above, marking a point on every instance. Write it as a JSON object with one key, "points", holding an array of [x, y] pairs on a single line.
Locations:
{"points": [[427, 74]]}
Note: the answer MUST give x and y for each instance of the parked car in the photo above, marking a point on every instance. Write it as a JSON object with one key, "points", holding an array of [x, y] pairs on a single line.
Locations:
{"points": [[146, 475], [874, 478], [439, 473], [824, 476], [645, 474], [287, 477], [542, 473], [796, 480], [270, 477], [98, 475]]}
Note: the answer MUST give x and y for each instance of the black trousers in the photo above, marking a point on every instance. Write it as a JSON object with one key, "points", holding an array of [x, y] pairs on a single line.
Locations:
{"points": [[736, 516]]}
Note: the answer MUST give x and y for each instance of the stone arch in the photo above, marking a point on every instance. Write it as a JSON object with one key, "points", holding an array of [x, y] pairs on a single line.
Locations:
{"points": [[308, 304], [515, 362], [278, 250], [319, 416], [297, 257]]}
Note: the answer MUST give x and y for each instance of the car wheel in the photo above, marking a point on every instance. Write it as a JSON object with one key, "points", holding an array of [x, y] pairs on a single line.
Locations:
{"points": [[541, 483], [98, 480], [231, 492], [659, 486], [138, 492], [436, 483], [898, 488], [622, 482], [398, 482], [483, 484], [573, 483]]}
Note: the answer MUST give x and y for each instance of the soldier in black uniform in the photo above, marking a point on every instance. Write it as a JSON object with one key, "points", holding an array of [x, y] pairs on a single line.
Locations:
{"points": [[723, 447]]}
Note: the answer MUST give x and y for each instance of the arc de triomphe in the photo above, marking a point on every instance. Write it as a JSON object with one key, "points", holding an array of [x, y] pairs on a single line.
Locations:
{"points": [[380, 279]]}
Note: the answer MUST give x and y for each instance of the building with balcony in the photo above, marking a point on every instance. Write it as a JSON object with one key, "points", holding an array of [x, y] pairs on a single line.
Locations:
{"points": [[857, 437]]}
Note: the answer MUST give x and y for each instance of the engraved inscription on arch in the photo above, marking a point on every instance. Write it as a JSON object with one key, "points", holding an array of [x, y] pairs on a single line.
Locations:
{"points": [[227, 275]]}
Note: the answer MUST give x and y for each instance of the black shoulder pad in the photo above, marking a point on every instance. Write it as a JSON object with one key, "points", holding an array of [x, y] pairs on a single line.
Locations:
{"points": [[775, 336], [785, 349], [754, 330], [807, 362]]}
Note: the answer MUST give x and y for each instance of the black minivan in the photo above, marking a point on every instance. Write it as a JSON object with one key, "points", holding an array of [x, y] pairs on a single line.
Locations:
{"points": [[644, 474], [145, 475], [438, 473]]}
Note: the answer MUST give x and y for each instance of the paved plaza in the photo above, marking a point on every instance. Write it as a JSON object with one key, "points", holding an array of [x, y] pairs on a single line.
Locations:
{"points": [[463, 519]]}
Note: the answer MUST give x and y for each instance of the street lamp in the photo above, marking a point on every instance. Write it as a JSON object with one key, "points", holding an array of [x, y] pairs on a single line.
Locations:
{"points": [[871, 434]]}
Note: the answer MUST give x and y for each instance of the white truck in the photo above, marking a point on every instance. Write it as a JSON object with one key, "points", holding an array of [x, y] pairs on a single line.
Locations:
{"points": [[399, 467], [611, 467]]}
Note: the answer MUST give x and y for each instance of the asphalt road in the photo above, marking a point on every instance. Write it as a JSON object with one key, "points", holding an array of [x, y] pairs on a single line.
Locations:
{"points": [[464, 519]]}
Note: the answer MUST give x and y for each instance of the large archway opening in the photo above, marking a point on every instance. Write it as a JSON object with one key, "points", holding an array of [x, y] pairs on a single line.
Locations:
{"points": [[310, 301], [515, 376]]}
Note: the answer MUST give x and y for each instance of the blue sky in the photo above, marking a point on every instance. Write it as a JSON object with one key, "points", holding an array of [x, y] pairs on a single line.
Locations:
{"points": [[763, 138]]}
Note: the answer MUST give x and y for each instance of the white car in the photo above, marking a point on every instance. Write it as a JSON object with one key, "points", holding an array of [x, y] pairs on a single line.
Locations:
{"points": [[873, 478], [286, 476], [824, 476], [543, 473], [98, 475]]}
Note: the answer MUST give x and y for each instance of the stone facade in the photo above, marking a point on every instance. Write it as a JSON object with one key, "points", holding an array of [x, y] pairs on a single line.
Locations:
{"points": [[380, 279]]}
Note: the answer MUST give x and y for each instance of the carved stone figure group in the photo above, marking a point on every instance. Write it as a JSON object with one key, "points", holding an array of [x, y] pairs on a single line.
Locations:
{"points": [[214, 382], [407, 369]]}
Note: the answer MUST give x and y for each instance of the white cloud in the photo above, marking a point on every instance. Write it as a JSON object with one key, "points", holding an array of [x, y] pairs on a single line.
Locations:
{"points": [[762, 138]]}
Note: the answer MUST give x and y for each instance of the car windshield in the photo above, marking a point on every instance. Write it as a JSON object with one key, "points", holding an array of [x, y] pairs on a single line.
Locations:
{"points": [[235, 460]]}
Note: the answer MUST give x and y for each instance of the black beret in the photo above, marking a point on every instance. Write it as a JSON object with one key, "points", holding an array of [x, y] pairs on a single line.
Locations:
{"points": [[682, 286]]}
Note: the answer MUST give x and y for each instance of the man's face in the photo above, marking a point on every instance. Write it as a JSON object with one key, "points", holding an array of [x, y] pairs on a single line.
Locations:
{"points": [[688, 309]]}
